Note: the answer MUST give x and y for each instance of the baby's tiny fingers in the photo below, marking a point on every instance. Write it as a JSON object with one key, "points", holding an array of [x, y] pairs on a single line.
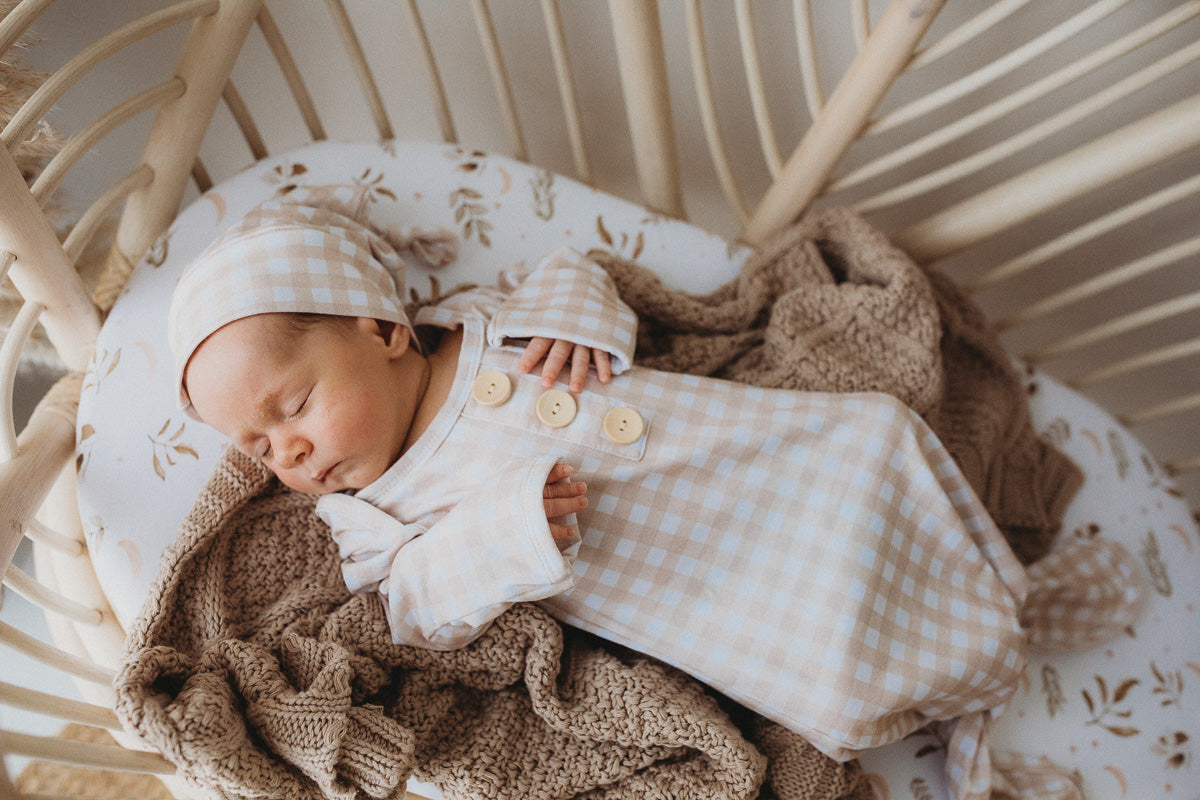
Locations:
{"points": [[580, 359], [603, 365], [563, 489], [561, 506], [559, 471], [561, 533], [556, 359], [534, 352]]}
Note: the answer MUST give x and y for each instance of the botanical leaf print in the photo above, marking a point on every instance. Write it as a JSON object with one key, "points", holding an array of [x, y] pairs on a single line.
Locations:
{"points": [[1104, 709], [938, 745], [1052, 688], [473, 161], [920, 789], [374, 186], [285, 176], [164, 447], [469, 212], [1174, 748], [1170, 685], [542, 184], [83, 448], [1155, 565], [621, 246], [102, 365]]}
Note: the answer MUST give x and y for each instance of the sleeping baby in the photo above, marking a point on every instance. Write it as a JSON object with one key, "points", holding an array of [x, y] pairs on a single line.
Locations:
{"points": [[819, 557]]}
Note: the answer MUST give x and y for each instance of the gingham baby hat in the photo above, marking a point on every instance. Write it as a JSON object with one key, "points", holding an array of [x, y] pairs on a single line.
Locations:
{"points": [[304, 253]]}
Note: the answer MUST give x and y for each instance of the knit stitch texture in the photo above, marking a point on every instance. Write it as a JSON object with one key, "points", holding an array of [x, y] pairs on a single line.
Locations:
{"points": [[258, 674]]}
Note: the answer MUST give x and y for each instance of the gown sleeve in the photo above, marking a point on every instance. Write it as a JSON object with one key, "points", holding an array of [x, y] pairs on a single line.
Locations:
{"points": [[443, 581], [567, 296]]}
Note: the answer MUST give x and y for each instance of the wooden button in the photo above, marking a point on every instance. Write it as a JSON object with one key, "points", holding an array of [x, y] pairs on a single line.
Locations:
{"points": [[556, 408], [491, 388], [624, 425]]}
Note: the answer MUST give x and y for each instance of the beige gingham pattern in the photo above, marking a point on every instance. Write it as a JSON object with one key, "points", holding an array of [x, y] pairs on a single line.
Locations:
{"points": [[304, 254], [1083, 594], [573, 299], [818, 557], [1019, 776]]}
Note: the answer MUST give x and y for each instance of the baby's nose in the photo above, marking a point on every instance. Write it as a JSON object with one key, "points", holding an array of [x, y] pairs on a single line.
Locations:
{"points": [[291, 451]]}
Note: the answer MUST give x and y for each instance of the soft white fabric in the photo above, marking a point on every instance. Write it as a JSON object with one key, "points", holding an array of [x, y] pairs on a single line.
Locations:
{"points": [[443, 582], [140, 462]]}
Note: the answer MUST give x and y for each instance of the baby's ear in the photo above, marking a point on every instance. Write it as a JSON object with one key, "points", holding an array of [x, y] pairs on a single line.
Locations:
{"points": [[394, 336]]}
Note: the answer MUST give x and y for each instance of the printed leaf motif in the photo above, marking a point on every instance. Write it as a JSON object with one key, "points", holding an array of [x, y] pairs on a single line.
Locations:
{"points": [[286, 176], [605, 236], [1103, 707], [373, 186], [938, 745], [920, 789], [1170, 685], [469, 213], [1155, 565], [542, 185], [473, 161], [628, 247], [102, 365], [1175, 748], [83, 447], [1052, 688], [163, 449]]}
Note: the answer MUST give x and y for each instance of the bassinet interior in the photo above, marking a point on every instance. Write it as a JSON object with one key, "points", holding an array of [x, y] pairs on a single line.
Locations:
{"points": [[1044, 156]]}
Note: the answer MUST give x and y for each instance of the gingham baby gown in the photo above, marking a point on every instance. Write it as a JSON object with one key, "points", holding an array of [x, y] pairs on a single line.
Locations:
{"points": [[818, 557]]}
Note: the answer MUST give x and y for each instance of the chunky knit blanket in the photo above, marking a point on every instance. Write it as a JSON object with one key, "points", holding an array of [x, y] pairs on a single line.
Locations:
{"points": [[255, 671], [830, 305]]}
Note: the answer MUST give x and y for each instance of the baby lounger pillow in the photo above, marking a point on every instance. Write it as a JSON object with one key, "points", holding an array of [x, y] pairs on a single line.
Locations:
{"points": [[1125, 716]]}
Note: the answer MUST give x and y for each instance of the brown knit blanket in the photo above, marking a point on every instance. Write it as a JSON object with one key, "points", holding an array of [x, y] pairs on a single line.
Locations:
{"points": [[258, 674], [255, 671], [830, 305]]}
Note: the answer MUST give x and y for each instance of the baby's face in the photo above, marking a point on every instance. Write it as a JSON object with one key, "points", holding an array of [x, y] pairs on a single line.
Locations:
{"points": [[317, 404]]}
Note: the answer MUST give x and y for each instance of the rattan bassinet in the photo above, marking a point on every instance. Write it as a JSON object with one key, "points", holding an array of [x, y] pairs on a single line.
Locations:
{"points": [[1045, 154]]}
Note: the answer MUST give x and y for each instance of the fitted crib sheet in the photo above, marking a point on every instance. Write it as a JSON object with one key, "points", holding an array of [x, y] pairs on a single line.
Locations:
{"points": [[1125, 716]]}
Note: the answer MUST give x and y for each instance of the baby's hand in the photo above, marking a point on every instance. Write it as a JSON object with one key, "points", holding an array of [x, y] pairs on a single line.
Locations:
{"points": [[556, 353], [562, 497]]}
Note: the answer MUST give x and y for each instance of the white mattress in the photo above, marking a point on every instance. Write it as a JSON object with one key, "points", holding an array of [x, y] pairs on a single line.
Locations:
{"points": [[1125, 715]]}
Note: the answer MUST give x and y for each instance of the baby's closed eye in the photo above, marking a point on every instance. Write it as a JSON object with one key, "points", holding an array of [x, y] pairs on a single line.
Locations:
{"points": [[298, 405]]}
